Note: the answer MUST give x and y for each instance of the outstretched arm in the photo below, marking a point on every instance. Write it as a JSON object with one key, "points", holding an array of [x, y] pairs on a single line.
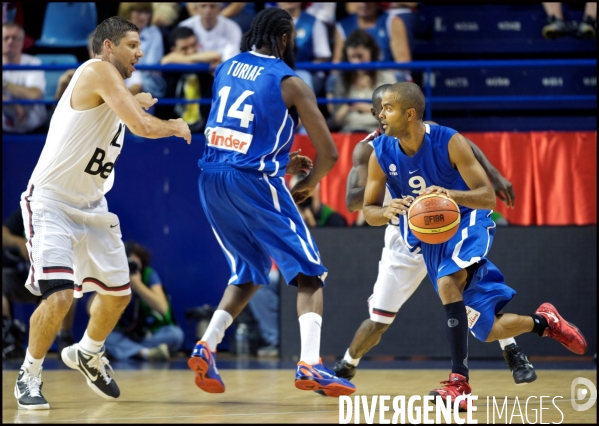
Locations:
{"points": [[358, 175], [103, 80]]}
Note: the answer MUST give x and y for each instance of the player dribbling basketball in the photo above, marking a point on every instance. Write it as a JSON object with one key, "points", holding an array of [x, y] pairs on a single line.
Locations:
{"points": [[414, 157]]}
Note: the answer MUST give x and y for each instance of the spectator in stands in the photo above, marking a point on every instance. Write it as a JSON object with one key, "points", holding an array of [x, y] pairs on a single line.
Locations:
{"points": [[360, 47], [558, 27], [389, 33], [165, 14], [314, 211], [185, 50], [147, 328], [15, 271], [152, 47], [311, 43], [214, 31], [28, 85], [406, 11], [241, 12], [323, 11]]}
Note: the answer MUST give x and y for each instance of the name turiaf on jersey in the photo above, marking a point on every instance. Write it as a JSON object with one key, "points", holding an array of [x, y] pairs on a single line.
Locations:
{"points": [[244, 71]]}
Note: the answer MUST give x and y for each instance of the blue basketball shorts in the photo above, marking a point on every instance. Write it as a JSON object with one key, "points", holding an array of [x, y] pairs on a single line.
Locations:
{"points": [[255, 221], [487, 294]]}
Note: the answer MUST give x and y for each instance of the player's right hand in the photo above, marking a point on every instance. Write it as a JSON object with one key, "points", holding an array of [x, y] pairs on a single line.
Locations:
{"points": [[182, 129], [398, 206]]}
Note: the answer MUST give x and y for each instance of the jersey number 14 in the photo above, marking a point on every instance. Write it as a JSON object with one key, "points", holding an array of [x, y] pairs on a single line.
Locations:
{"points": [[244, 115]]}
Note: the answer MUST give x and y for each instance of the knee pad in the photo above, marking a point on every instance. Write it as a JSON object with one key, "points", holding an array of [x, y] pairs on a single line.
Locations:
{"points": [[49, 287]]}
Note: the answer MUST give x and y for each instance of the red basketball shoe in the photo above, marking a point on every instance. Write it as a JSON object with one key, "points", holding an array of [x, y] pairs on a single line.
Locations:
{"points": [[561, 330], [457, 385]]}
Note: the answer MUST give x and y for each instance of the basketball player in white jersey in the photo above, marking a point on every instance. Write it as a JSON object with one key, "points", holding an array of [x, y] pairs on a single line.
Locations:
{"points": [[74, 242]]}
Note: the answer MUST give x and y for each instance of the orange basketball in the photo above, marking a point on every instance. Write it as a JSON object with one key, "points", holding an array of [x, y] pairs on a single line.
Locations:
{"points": [[434, 218]]}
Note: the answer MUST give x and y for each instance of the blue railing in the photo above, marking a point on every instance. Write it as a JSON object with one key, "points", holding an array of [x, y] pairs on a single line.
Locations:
{"points": [[426, 66]]}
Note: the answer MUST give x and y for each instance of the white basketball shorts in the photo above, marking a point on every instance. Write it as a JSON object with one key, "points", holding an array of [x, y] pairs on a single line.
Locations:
{"points": [[74, 241], [400, 274]]}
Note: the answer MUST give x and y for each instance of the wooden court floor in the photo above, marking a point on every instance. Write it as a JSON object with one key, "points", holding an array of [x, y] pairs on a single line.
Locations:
{"points": [[268, 396]]}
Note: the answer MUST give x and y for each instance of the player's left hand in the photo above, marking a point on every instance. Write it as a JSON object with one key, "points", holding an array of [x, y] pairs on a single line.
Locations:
{"points": [[146, 101], [436, 189], [504, 190], [303, 189], [298, 163]]}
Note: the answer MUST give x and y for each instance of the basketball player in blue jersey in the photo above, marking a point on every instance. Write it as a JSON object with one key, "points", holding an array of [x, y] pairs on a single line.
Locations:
{"points": [[414, 158], [400, 270], [256, 103]]}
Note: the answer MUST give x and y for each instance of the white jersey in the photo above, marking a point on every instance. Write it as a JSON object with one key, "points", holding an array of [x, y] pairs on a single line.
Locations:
{"points": [[81, 148]]}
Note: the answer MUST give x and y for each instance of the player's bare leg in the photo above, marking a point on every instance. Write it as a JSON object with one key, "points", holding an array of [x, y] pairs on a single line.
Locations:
{"points": [[46, 322], [87, 355], [546, 322], [309, 295], [236, 297], [367, 336], [105, 312]]}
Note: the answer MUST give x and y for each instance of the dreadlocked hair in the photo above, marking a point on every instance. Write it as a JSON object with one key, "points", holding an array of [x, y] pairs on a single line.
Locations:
{"points": [[267, 28]]}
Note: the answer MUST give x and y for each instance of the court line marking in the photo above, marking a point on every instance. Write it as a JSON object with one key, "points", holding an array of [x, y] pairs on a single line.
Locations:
{"points": [[245, 414]]}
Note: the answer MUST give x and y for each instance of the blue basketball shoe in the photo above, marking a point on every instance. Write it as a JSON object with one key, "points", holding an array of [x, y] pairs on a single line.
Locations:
{"points": [[203, 363], [318, 377]]}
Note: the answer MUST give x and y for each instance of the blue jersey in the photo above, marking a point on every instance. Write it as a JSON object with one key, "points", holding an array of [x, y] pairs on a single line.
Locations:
{"points": [[380, 33], [249, 126], [304, 39], [487, 293], [429, 166]]}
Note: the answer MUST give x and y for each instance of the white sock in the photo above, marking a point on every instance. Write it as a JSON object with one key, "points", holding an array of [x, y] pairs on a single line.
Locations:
{"points": [[310, 325], [32, 365], [505, 342], [350, 360], [90, 345], [221, 320]]}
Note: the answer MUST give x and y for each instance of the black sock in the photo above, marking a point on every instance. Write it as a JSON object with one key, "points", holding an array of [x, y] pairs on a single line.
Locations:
{"points": [[457, 335], [539, 324]]}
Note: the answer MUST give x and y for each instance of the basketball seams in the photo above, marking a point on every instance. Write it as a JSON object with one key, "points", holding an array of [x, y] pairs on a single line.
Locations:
{"points": [[434, 234]]}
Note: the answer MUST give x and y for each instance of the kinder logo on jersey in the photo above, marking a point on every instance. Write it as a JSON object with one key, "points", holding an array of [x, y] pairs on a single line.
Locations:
{"points": [[228, 139]]}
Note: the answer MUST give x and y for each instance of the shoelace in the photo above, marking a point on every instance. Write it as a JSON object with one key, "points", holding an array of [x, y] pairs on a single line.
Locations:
{"points": [[516, 360], [33, 384], [99, 363]]}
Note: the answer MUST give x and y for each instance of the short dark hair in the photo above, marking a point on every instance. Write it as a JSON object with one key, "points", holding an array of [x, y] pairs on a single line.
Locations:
{"points": [[268, 26], [131, 247], [113, 29], [409, 95], [178, 34], [378, 92]]}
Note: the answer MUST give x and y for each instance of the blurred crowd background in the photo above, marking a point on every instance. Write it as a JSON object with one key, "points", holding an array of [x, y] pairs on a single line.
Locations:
{"points": [[522, 98]]}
